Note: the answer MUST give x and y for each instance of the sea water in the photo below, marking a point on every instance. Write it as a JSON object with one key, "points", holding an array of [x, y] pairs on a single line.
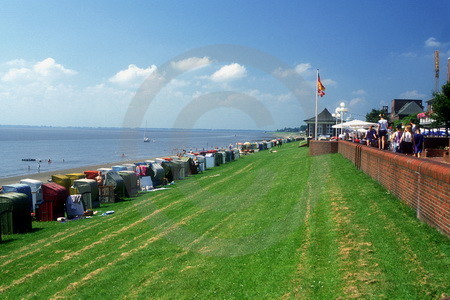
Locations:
{"points": [[64, 148]]}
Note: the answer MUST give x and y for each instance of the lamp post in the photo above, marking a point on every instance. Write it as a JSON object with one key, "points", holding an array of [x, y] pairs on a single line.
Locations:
{"points": [[335, 116], [342, 110]]}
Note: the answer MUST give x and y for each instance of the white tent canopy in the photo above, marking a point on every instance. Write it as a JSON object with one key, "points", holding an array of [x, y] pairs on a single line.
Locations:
{"points": [[354, 124]]}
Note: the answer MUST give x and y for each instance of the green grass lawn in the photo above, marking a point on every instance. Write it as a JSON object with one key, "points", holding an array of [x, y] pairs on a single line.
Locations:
{"points": [[270, 225]]}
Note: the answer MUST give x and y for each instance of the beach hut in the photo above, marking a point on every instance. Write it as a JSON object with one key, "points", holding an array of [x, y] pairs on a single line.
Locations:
{"points": [[209, 161], [21, 214], [201, 162], [158, 160], [131, 182], [130, 167], [88, 189], [228, 156], [114, 179], [75, 176], [6, 223], [237, 154], [189, 165], [54, 197], [91, 174], [20, 188], [119, 168], [142, 170], [62, 180], [36, 191], [168, 172], [157, 174], [74, 206], [218, 159], [177, 169], [224, 156], [146, 183], [104, 171]]}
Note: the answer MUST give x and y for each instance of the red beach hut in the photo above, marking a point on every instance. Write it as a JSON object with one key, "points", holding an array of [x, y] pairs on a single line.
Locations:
{"points": [[54, 197]]}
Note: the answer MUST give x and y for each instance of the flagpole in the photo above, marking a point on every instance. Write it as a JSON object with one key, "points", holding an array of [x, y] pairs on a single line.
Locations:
{"points": [[315, 91]]}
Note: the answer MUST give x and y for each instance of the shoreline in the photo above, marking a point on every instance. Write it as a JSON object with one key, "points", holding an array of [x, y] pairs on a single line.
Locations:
{"points": [[45, 176]]}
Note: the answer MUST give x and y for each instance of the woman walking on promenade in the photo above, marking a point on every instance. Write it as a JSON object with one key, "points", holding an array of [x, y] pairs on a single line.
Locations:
{"points": [[382, 132], [396, 136], [418, 142], [371, 136], [406, 141]]}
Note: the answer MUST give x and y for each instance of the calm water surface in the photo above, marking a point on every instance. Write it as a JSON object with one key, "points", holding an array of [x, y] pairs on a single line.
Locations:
{"points": [[76, 147]]}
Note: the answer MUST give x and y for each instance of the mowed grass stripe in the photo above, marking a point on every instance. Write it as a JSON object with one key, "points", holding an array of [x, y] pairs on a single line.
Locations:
{"points": [[399, 245], [359, 268], [139, 288], [85, 245], [166, 260], [303, 280], [70, 232], [123, 256], [96, 250], [102, 240], [59, 247]]}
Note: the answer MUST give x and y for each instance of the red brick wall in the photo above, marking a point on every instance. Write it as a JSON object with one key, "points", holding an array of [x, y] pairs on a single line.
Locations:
{"points": [[322, 147], [424, 185]]}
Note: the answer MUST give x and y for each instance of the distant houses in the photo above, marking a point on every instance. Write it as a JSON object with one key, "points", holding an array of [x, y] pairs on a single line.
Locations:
{"points": [[401, 108]]}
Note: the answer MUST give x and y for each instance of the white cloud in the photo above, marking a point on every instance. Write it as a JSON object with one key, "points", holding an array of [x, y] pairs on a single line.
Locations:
{"points": [[414, 94], [229, 72], [432, 42], [15, 74], [328, 82], [269, 98], [283, 73], [16, 62], [44, 71], [283, 98], [132, 76], [191, 63], [49, 66], [356, 101], [359, 92], [302, 68]]}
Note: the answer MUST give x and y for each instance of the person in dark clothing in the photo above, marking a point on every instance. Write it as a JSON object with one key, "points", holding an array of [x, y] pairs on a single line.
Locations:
{"points": [[371, 136], [418, 143]]}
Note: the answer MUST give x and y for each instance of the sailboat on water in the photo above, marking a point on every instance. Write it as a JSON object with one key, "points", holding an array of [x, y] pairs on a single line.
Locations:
{"points": [[146, 139]]}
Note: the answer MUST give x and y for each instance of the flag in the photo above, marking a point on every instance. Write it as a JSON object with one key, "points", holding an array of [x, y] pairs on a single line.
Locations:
{"points": [[320, 87]]}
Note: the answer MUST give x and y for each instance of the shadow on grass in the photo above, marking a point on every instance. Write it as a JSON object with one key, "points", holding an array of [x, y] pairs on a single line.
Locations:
{"points": [[4, 242]]}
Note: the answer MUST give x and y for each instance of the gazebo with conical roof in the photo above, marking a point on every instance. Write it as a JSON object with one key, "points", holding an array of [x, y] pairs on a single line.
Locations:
{"points": [[325, 121]]}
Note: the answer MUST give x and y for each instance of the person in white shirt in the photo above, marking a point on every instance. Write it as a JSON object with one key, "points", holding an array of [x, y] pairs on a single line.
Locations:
{"points": [[406, 141], [382, 132]]}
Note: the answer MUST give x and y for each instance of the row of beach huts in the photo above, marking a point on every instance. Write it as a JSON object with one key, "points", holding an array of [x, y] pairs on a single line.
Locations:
{"points": [[76, 195]]}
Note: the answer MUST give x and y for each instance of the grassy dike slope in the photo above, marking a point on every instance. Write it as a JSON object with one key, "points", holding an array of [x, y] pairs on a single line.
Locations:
{"points": [[270, 225]]}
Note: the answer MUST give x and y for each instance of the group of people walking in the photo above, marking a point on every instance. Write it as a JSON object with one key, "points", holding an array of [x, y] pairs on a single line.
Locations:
{"points": [[408, 141]]}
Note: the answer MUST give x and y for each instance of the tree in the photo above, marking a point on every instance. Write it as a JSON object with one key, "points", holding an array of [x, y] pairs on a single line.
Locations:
{"points": [[441, 107], [374, 115], [406, 121]]}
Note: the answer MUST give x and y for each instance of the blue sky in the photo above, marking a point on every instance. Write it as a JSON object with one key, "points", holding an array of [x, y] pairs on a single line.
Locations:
{"points": [[81, 63]]}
